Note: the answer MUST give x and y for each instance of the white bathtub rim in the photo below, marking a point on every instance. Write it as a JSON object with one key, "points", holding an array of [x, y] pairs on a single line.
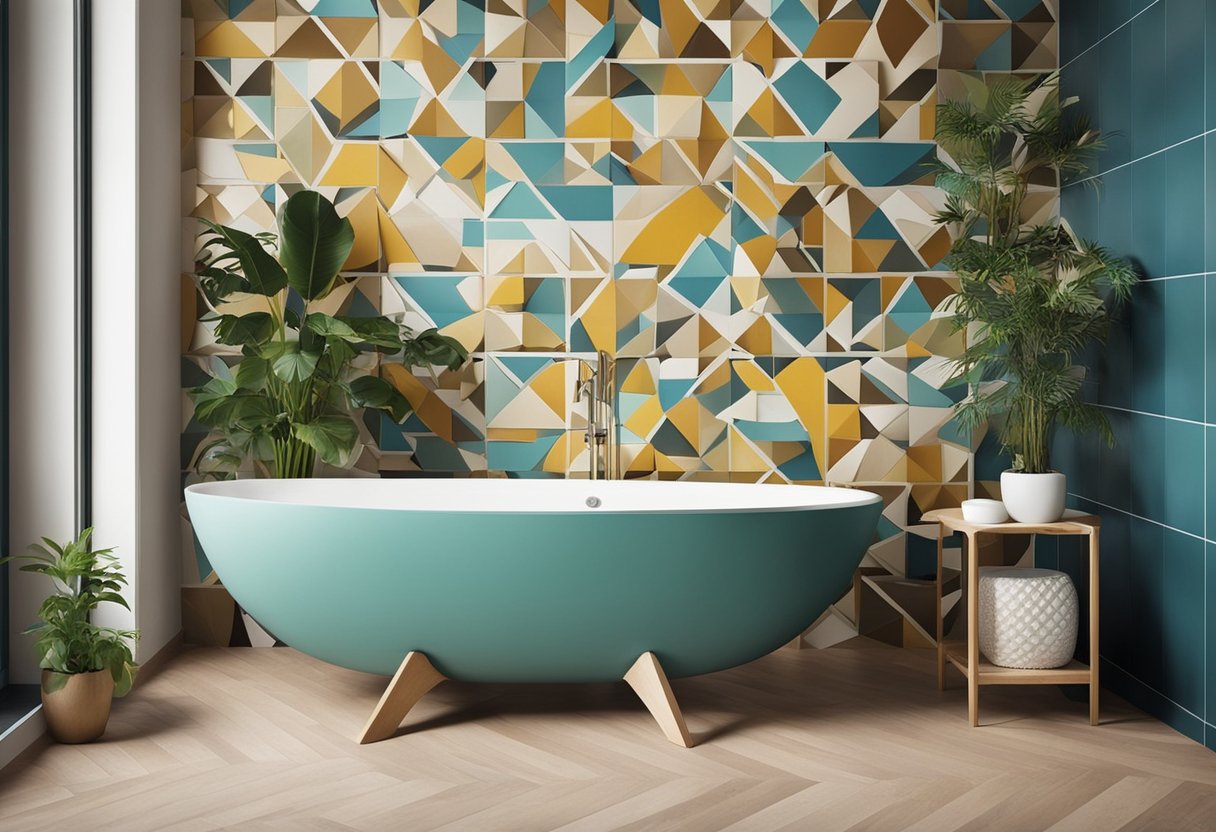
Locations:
{"points": [[421, 495]]}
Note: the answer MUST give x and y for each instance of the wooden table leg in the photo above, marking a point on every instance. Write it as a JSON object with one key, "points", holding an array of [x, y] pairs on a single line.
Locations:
{"points": [[973, 630], [941, 635], [1094, 656]]}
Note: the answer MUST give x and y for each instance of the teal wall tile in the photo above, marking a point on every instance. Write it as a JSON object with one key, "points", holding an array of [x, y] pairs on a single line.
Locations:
{"points": [[1182, 610], [1079, 202], [1115, 212], [1210, 347], [1145, 323], [1209, 177], [1149, 79], [1209, 629], [1115, 76], [1184, 69], [1078, 31], [1150, 199], [1209, 27], [1184, 208], [1182, 362]]}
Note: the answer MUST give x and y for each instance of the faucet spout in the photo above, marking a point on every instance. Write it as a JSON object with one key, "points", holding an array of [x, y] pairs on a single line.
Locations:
{"points": [[597, 384]]}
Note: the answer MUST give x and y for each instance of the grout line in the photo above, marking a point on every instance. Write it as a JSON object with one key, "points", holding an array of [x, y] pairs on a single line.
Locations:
{"points": [[1172, 277], [1140, 517], [1158, 415], [1101, 38], [1130, 162]]}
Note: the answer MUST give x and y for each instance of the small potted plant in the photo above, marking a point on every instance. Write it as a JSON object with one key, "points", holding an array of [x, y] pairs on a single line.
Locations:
{"points": [[83, 665], [1032, 294]]}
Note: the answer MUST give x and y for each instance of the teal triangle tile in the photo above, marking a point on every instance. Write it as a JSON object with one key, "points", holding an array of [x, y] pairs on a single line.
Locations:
{"points": [[887, 163], [541, 162], [810, 98], [792, 19], [521, 203], [524, 366], [345, 8]]}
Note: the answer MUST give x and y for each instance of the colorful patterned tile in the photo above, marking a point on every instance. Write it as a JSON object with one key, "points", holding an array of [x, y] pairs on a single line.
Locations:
{"points": [[524, 99], [526, 29], [432, 190], [443, 34], [669, 100], [777, 221], [453, 303], [679, 29], [525, 314], [813, 99]]}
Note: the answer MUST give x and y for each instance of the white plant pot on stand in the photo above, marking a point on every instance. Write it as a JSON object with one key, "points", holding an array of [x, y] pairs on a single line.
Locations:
{"points": [[1033, 498]]}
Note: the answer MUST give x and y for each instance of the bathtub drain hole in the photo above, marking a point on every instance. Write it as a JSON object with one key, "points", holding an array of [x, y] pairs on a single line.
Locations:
{"points": [[593, 502]]}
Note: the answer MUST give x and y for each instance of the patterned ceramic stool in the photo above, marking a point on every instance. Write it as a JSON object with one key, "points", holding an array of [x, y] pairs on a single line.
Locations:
{"points": [[1028, 617]]}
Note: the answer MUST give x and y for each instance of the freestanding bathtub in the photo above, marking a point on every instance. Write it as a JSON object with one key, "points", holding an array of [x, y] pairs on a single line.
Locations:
{"points": [[532, 581]]}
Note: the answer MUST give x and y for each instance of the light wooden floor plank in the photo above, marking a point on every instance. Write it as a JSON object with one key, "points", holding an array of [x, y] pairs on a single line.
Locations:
{"points": [[852, 738]]}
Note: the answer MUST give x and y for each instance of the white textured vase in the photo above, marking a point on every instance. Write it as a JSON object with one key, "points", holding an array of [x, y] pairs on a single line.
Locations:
{"points": [[1028, 617], [1034, 498]]}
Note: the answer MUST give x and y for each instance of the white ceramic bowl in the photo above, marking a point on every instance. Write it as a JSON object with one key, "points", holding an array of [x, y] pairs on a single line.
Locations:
{"points": [[984, 511]]}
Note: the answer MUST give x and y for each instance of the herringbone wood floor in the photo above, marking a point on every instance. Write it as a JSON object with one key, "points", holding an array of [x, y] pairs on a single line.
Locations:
{"points": [[856, 737]]}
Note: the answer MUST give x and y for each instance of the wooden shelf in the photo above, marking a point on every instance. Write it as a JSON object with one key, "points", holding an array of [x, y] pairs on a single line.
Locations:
{"points": [[1073, 673]]}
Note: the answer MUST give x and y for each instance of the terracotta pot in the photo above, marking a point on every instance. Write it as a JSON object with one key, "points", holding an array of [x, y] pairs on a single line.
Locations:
{"points": [[78, 711]]}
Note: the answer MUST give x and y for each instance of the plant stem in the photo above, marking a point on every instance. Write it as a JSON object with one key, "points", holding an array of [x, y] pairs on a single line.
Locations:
{"points": [[293, 459]]}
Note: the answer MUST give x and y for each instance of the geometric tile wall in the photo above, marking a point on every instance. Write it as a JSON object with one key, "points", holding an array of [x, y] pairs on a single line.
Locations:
{"points": [[730, 198], [1156, 378]]}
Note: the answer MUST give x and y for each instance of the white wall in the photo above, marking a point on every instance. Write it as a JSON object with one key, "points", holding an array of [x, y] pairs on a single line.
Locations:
{"points": [[41, 397], [136, 306], [136, 342]]}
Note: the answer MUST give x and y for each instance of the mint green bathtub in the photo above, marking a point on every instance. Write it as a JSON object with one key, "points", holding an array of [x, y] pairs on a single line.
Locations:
{"points": [[524, 581]]}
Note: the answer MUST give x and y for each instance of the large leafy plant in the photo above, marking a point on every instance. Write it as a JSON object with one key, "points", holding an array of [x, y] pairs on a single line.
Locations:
{"points": [[1032, 295], [302, 370], [68, 641]]}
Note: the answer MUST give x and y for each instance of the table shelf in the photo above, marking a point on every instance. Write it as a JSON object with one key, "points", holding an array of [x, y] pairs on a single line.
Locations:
{"points": [[955, 653], [1073, 673]]}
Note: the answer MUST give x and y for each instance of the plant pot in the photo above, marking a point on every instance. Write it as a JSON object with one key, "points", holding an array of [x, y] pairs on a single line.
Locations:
{"points": [[78, 711], [1033, 498]]}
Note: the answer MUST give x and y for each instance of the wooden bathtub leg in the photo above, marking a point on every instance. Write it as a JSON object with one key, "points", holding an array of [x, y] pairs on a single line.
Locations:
{"points": [[649, 682], [413, 679]]}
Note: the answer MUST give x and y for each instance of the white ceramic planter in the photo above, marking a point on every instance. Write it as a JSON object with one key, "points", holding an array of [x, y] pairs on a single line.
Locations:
{"points": [[1033, 498]]}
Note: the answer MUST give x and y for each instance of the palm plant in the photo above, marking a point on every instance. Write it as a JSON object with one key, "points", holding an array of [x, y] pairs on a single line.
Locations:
{"points": [[288, 400], [68, 642], [1032, 296]]}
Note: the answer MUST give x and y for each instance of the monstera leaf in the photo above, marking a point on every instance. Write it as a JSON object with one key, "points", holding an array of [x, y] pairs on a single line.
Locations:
{"points": [[316, 242]]}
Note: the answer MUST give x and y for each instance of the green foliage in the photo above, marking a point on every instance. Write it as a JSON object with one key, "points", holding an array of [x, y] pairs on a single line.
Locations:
{"points": [[1031, 297], [302, 370], [68, 642]]}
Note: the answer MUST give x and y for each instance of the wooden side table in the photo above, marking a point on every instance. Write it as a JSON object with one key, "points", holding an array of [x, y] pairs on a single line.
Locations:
{"points": [[966, 656]]}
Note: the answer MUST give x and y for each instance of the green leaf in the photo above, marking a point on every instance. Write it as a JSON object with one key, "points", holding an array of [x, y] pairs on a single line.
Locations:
{"points": [[376, 330], [54, 681], [251, 374], [330, 327], [294, 364], [375, 392], [253, 328], [262, 272], [332, 437], [430, 347], [316, 242]]}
